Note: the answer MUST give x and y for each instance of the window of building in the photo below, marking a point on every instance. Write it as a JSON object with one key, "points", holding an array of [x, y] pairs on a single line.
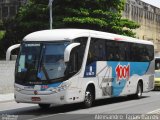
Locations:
{"points": [[5, 12]]}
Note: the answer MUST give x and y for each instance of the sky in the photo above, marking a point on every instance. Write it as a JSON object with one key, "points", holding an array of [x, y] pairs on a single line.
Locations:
{"points": [[155, 3]]}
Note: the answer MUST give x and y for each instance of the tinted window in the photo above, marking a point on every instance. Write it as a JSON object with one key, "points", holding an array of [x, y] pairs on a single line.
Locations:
{"points": [[80, 50], [96, 50], [76, 56], [116, 51], [109, 50], [141, 52]]}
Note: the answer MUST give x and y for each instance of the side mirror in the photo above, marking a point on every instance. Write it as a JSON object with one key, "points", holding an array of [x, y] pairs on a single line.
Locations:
{"points": [[68, 51], [9, 50], [13, 57]]}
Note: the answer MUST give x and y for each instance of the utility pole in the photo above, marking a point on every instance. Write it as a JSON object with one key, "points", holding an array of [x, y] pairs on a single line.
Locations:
{"points": [[50, 12]]}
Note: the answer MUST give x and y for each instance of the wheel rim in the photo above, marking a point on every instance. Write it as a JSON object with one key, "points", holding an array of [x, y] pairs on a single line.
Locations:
{"points": [[88, 98]]}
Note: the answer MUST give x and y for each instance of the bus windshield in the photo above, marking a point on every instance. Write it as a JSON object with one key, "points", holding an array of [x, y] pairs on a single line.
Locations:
{"points": [[41, 62]]}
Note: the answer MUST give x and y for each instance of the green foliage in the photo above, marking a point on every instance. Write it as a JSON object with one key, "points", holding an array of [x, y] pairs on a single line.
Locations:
{"points": [[2, 33], [103, 15]]}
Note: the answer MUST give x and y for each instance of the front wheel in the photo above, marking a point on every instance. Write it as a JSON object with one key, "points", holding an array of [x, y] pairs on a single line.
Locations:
{"points": [[44, 106], [89, 98]]}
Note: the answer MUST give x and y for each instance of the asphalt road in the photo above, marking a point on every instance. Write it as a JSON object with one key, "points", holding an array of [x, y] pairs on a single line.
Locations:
{"points": [[149, 103]]}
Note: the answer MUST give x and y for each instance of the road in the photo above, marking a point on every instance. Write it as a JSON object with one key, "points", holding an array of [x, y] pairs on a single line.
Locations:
{"points": [[150, 102]]}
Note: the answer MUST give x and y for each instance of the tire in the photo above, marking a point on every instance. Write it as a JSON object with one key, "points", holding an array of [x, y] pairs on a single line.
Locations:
{"points": [[44, 106], [89, 98], [139, 91]]}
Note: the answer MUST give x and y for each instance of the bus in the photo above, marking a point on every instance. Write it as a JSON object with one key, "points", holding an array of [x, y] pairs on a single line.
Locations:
{"points": [[64, 66], [157, 63]]}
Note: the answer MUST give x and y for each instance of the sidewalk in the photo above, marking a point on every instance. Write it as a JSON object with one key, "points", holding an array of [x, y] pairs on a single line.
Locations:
{"points": [[6, 97]]}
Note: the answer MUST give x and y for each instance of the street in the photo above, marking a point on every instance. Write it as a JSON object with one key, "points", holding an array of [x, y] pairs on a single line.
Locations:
{"points": [[149, 103]]}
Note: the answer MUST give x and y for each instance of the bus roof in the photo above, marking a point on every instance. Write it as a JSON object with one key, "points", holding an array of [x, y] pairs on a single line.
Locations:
{"points": [[69, 34]]}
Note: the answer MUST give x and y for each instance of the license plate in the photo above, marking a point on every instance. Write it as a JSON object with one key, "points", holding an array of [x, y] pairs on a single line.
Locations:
{"points": [[35, 98]]}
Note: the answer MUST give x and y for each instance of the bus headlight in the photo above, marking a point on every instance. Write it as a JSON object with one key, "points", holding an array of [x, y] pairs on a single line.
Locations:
{"points": [[17, 88], [62, 87]]}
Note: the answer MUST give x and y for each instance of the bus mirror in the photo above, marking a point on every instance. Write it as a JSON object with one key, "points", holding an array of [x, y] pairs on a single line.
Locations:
{"points": [[68, 51], [13, 57], [9, 50]]}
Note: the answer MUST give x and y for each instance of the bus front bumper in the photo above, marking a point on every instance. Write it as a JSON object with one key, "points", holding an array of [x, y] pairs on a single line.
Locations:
{"points": [[60, 98]]}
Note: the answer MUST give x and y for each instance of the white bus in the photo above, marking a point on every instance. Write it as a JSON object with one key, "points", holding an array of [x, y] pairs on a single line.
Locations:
{"points": [[65, 66], [157, 63]]}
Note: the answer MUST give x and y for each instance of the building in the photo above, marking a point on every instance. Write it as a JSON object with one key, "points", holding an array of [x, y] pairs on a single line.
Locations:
{"points": [[9, 8], [148, 16]]}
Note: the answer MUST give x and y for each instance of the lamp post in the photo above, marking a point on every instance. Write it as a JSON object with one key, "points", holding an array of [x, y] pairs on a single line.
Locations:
{"points": [[50, 12]]}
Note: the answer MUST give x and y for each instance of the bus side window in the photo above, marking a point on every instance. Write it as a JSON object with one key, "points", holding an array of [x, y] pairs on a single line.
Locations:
{"points": [[109, 50], [77, 55], [96, 51]]}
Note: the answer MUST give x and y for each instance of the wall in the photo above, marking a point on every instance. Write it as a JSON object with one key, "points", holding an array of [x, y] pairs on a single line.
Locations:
{"points": [[7, 76], [148, 17]]}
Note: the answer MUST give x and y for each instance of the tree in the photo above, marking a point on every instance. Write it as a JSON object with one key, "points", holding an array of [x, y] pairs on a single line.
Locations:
{"points": [[31, 17], [102, 15]]}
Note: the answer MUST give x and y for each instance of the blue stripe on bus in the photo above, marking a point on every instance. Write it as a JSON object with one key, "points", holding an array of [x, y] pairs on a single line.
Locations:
{"points": [[136, 68]]}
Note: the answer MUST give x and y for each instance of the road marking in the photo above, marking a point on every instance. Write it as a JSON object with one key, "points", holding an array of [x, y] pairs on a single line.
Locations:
{"points": [[154, 112], [44, 116]]}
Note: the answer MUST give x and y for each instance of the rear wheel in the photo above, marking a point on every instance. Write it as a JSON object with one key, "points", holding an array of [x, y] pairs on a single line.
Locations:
{"points": [[139, 90], [44, 106], [89, 98]]}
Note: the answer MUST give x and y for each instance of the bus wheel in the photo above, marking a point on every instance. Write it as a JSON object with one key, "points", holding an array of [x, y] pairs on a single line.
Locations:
{"points": [[139, 91], [89, 98], [44, 106]]}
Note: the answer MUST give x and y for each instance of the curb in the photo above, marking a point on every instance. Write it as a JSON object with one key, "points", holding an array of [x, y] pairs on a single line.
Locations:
{"points": [[6, 97], [6, 101]]}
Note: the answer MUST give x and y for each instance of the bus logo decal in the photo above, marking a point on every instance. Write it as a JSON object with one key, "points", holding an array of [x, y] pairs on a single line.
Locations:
{"points": [[90, 70], [90, 73], [123, 72]]}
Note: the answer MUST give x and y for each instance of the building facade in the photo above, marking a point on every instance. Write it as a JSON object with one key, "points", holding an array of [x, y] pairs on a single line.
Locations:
{"points": [[148, 16], [9, 8]]}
